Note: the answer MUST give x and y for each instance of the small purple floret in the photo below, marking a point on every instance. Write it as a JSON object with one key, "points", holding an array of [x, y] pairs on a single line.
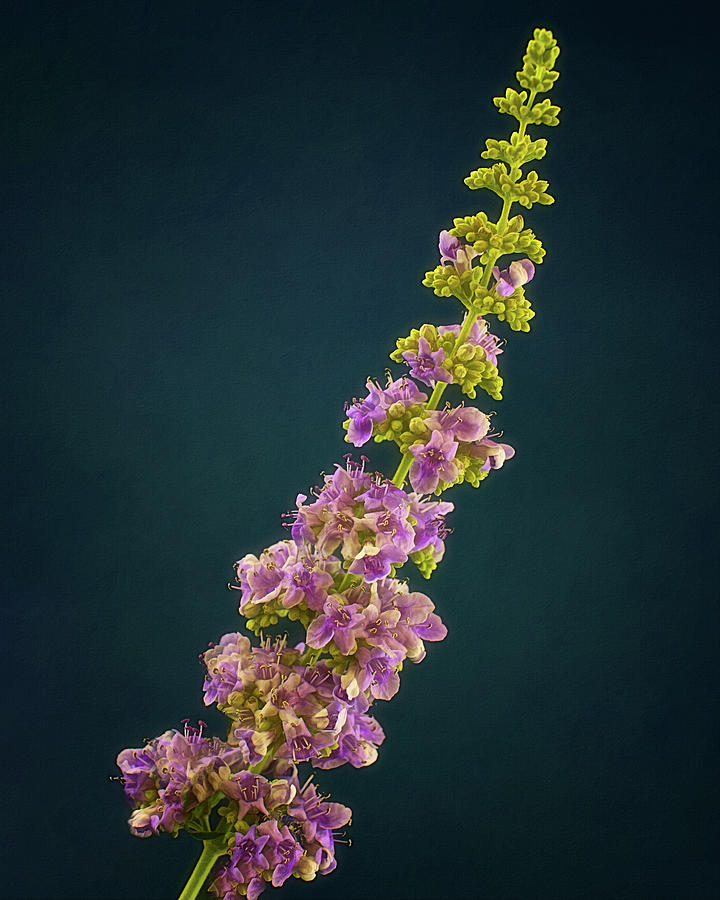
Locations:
{"points": [[517, 274], [454, 251], [427, 365], [432, 462]]}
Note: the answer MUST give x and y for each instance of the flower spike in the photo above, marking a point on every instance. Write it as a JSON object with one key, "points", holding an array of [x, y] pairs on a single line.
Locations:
{"points": [[336, 573]]}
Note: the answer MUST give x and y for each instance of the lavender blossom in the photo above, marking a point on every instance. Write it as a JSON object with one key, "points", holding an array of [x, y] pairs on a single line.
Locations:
{"points": [[493, 454], [427, 365], [339, 623], [402, 391], [376, 562], [177, 771], [433, 461], [517, 274], [283, 577], [364, 413], [465, 423], [353, 512], [479, 336], [454, 251]]}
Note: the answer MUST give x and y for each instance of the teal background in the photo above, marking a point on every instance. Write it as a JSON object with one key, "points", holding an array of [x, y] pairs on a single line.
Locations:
{"points": [[216, 217]]}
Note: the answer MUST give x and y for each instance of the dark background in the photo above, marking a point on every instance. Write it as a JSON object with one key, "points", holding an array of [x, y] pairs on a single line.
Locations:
{"points": [[216, 219]]}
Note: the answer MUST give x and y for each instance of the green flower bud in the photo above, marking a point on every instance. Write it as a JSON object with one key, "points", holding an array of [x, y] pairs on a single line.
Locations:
{"points": [[465, 353], [417, 426]]}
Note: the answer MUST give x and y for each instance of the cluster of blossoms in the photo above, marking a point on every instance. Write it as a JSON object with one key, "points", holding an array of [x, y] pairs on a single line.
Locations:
{"points": [[336, 574], [432, 356], [315, 710], [448, 446], [506, 299], [172, 777], [273, 828], [375, 525], [286, 830], [275, 698]]}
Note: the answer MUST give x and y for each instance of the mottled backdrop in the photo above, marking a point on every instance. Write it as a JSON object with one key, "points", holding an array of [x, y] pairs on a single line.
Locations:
{"points": [[216, 217]]}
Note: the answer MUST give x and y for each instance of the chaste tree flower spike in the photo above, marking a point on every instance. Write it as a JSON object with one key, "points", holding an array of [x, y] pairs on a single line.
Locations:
{"points": [[337, 573]]}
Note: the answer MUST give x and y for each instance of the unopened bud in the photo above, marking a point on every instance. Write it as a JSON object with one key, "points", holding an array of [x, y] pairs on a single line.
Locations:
{"points": [[465, 353], [417, 425]]}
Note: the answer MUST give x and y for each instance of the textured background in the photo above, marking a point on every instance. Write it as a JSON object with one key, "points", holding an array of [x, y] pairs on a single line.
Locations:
{"points": [[216, 218]]}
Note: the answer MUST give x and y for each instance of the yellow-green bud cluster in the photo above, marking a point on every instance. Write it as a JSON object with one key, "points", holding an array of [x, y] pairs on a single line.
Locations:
{"points": [[485, 237], [425, 561], [264, 615], [515, 104], [537, 72], [506, 184], [519, 150], [403, 424], [468, 366], [447, 282], [515, 309]]}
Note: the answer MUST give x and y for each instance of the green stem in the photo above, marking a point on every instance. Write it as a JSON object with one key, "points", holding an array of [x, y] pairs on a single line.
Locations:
{"points": [[258, 767], [212, 851]]}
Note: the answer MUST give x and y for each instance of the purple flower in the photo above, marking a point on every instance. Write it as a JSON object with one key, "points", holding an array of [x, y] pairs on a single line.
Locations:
{"points": [[415, 620], [454, 251], [404, 391], [359, 739], [246, 861], [373, 669], [364, 413], [466, 423], [493, 454], [390, 523], [375, 562], [430, 529], [284, 576], [137, 767], [266, 852], [517, 273], [225, 662], [432, 462], [381, 628], [178, 771], [249, 791], [355, 510], [339, 623], [479, 336], [319, 817], [305, 582], [283, 849], [300, 745], [261, 579], [427, 365]]}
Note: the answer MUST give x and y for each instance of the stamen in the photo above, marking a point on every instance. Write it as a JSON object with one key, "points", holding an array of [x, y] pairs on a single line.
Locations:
{"points": [[303, 788]]}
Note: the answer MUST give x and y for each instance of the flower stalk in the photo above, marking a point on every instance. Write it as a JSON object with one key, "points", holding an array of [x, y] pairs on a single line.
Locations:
{"points": [[211, 852], [335, 575]]}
